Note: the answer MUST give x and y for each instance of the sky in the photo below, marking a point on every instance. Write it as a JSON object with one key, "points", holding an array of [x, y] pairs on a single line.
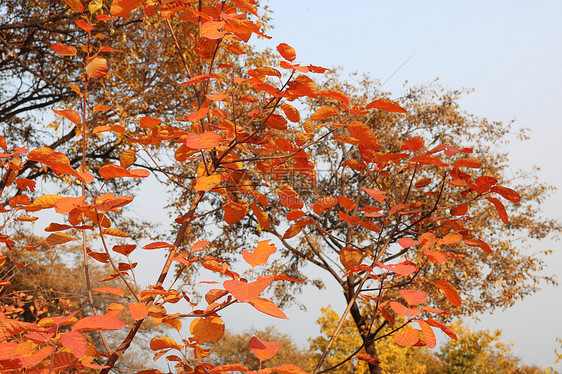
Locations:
{"points": [[510, 52]]}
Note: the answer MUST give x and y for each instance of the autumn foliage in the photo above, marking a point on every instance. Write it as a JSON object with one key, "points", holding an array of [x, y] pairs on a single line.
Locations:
{"points": [[244, 133]]}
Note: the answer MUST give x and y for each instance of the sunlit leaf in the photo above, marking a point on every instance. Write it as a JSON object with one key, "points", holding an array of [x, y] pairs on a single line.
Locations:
{"points": [[268, 307], [386, 105], [102, 323], [406, 337], [261, 253], [97, 67], [207, 330], [287, 52], [323, 113], [64, 50], [76, 341], [262, 349], [450, 291], [138, 311]]}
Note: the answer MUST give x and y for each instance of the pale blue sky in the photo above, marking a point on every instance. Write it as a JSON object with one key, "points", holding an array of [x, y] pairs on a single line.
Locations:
{"points": [[510, 52]]}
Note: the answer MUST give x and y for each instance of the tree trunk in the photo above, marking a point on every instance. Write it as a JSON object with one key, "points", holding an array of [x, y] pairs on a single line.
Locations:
{"points": [[362, 322]]}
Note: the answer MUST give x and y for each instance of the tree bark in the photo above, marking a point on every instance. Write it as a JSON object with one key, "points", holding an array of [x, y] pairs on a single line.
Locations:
{"points": [[362, 323]]}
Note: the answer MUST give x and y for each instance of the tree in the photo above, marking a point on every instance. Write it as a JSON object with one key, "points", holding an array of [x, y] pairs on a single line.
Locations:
{"points": [[472, 352], [235, 348], [233, 133]]}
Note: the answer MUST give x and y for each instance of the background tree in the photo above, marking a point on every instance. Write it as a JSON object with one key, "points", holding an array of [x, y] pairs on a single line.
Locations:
{"points": [[234, 347], [473, 352]]}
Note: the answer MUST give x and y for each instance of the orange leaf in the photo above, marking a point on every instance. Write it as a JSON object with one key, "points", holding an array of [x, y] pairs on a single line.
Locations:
{"points": [[468, 163], [380, 196], [200, 78], [324, 204], [164, 342], [76, 341], [364, 134], [75, 5], [245, 292], [402, 310], [386, 105], [406, 337], [125, 249], [234, 211], [261, 253], [97, 67], [287, 52], [449, 239], [450, 291], [439, 257], [506, 193], [499, 208], [211, 29], [138, 311], [208, 329], [262, 216], [148, 121], [291, 112], [288, 369], [111, 171], [122, 8], [207, 140], [58, 238], [459, 210], [404, 268], [428, 334], [102, 323], [346, 202], [413, 297], [110, 290], [335, 94], [268, 307], [351, 257], [323, 113], [62, 49], [228, 368], [407, 242], [364, 356], [262, 349], [58, 162], [158, 245], [207, 183], [292, 231]]}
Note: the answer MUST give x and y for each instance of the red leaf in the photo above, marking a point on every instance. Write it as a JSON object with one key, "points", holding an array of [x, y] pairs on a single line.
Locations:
{"points": [[507, 193], [104, 48], [415, 144], [287, 52], [413, 297], [63, 50], [207, 140], [268, 307], [76, 341], [245, 292], [262, 349], [103, 323], [450, 291], [386, 105], [459, 210], [261, 253], [97, 67], [499, 208], [138, 311]]}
